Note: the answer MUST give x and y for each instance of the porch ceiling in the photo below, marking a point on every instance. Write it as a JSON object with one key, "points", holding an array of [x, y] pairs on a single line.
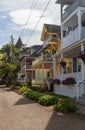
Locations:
{"points": [[67, 2], [72, 53]]}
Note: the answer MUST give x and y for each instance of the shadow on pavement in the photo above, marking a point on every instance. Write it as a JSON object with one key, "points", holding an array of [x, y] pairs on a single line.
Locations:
{"points": [[7, 89], [23, 101], [59, 121]]}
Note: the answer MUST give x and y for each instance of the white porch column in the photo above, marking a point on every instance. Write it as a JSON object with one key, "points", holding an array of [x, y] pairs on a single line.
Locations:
{"points": [[79, 23], [82, 63], [54, 67]]}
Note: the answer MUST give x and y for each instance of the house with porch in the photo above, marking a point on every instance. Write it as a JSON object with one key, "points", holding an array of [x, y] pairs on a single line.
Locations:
{"points": [[25, 59], [43, 64], [72, 47]]}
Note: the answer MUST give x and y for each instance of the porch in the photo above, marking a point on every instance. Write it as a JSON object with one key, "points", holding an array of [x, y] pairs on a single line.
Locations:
{"points": [[78, 71], [40, 68]]}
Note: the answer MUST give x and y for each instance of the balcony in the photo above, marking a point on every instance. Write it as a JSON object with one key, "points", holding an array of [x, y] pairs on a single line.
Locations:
{"points": [[50, 40], [71, 8], [73, 37]]}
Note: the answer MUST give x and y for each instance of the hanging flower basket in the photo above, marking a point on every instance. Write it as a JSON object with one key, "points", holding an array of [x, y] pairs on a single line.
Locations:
{"points": [[63, 63], [82, 56]]}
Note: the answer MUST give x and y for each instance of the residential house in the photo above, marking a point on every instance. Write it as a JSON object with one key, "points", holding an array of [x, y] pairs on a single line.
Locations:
{"points": [[72, 47], [26, 59], [43, 64]]}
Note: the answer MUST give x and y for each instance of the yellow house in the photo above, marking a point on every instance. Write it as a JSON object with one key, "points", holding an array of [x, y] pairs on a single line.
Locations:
{"points": [[43, 63]]}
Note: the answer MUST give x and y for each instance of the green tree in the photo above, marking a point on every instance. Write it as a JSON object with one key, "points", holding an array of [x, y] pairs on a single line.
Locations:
{"points": [[9, 52], [9, 65]]}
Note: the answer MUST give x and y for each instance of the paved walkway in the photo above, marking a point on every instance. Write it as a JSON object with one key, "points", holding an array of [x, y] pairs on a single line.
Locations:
{"points": [[18, 113]]}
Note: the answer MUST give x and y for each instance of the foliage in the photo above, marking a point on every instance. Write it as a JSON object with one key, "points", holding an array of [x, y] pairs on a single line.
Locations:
{"points": [[65, 106], [82, 56], [56, 81], [8, 72], [39, 89], [48, 100], [6, 51], [33, 95], [69, 81], [9, 65], [23, 89]]}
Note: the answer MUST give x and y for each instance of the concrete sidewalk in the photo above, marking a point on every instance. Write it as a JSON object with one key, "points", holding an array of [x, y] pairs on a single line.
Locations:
{"points": [[18, 113]]}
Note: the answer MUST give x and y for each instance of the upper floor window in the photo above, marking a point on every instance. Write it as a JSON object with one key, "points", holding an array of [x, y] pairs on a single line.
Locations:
{"points": [[54, 38]]}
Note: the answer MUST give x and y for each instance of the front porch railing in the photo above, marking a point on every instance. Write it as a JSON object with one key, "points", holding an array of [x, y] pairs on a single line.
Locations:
{"points": [[77, 76]]}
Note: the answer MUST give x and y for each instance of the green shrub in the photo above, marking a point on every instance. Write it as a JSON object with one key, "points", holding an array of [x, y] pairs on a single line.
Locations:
{"points": [[23, 89], [39, 89], [33, 95], [65, 106], [48, 100]]}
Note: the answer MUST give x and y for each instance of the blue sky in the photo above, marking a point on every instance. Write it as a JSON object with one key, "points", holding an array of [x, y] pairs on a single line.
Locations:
{"points": [[13, 16]]}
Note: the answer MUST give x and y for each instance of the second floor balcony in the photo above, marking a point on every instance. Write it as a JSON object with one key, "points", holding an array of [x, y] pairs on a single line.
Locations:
{"points": [[72, 7], [73, 37], [51, 40]]}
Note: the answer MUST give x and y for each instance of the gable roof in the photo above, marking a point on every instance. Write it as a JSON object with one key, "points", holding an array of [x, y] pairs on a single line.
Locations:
{"points": [[37, 51], [52, 28]]}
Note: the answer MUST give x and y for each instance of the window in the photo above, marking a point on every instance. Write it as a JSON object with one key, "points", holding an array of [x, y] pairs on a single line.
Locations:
{"points": [[78, 65]]}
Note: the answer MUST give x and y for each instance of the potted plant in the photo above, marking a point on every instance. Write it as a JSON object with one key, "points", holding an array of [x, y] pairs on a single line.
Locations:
{"points": [[69, 81], [82, 56]]}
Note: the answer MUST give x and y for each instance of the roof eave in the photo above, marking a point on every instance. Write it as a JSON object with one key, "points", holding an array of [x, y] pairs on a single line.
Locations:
{"points": [[65, 2]]}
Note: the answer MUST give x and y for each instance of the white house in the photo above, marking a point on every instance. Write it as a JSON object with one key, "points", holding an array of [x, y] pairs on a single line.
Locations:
{"points": [[72, 45]]}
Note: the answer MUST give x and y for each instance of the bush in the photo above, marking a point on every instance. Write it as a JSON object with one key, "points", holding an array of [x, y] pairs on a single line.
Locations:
{"points": [[39, 89], [65, 106], [23, 89], [48, 100], [33, 95], [69, 81]]}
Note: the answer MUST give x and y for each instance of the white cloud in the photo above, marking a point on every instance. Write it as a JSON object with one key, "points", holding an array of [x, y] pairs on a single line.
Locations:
{"points": [[20, 16], [17, 12], [3, 17]]}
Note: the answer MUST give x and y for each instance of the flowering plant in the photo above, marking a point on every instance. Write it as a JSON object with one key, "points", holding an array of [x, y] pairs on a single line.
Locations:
{"points": [[82, 56], [63, 63], [69, 81], [56, 81]]}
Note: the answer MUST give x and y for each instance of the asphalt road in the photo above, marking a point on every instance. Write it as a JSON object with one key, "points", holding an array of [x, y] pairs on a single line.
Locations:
{"points": [[18, 113]]}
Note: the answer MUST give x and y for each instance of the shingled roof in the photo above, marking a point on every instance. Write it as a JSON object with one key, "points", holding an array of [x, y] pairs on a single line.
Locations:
{"points": [[52, 28], [19, 43]]}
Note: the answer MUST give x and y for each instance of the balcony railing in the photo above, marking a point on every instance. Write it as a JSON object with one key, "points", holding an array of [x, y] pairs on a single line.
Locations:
{"points": [[46, 42], [73, 37], [71, 8], [50, 40]]}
